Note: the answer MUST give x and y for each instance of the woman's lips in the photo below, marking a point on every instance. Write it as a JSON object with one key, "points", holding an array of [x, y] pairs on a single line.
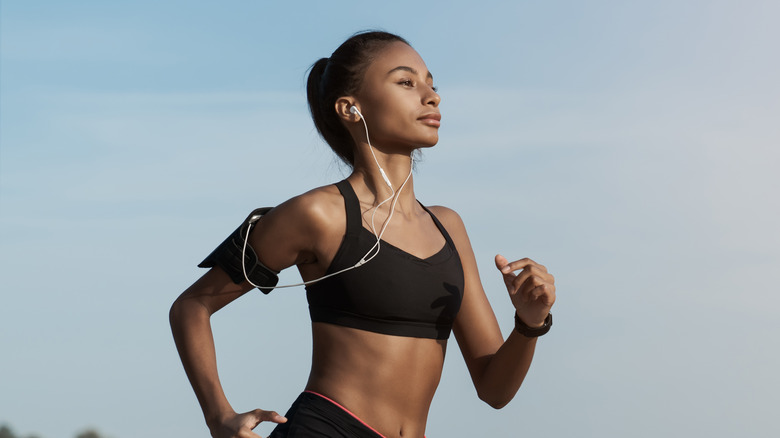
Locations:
{"points": [[433, 119]]}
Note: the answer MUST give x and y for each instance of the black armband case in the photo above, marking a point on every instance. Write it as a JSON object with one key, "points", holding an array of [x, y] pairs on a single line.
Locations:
{"points": [[228, 257]]}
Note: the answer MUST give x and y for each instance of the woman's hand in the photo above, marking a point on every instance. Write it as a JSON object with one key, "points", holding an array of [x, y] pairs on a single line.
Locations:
{"points": [[532, 290], [241, 425]]}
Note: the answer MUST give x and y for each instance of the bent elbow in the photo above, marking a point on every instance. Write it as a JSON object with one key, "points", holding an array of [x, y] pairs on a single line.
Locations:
{"points": [[495, 401], [174, 313], [178, 312], [185, 311], [497, 404]]}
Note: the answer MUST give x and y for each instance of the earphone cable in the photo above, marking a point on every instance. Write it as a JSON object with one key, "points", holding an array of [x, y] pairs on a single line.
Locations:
{"points": [[368, 256]]}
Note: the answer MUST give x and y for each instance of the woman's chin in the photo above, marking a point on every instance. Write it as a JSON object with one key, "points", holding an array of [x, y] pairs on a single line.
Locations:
{"points": [[429, 143]]}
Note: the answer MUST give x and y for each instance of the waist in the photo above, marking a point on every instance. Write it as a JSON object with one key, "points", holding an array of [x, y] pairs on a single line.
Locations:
{"points": [[387, 381]]}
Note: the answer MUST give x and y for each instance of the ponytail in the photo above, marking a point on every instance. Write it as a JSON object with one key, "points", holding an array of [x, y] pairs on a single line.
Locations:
{"points": [[323, 112]]}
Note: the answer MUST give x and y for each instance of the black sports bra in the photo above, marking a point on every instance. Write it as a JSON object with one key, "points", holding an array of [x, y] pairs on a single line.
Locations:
{"points": [[395, 293]]}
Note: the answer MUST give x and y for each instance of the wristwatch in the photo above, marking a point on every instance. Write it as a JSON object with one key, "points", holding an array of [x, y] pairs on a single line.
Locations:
{"points": [[531, 332]]}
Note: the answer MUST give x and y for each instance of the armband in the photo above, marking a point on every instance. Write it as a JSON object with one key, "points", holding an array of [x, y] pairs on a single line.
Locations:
{"points": [[228, 257]]}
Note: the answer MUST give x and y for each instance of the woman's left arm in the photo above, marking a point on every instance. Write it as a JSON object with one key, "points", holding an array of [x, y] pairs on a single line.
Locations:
{"points": [[497, 366]]}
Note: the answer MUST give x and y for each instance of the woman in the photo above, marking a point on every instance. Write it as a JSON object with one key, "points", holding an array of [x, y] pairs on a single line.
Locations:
{"points": [[405, 275]]}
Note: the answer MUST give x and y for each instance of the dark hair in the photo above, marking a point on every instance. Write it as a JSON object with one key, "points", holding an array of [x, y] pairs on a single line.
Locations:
{"points": [[338, 76]]}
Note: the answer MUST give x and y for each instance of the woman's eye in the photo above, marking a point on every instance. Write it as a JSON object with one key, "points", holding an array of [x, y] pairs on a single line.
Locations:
{"points": [[406, 83], [435, 88]]}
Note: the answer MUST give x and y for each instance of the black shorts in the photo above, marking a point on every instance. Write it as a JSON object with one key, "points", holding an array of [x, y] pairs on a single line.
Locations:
{"points": [[315, 416]]}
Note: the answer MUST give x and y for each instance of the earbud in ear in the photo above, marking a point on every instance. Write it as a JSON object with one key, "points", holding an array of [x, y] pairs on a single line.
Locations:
{"points": [[353, 109]]}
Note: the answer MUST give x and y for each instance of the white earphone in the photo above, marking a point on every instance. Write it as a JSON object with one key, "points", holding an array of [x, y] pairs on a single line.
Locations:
{"points": [[368, 256], [353, 109]]}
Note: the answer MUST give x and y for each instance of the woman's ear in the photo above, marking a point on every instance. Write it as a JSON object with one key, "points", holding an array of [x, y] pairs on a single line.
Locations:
{"points": [[344, 111]]}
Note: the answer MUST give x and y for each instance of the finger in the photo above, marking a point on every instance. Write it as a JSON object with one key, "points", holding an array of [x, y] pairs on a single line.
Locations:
{"points": [[529, 272], [506, 271], [536, 291], [524, 287], [544, 293], [271, 416], [522, 264], [501, 261], [503, 264]]}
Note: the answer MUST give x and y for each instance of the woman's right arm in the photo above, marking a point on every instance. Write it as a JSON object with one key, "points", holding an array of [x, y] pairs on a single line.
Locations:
{"points": [[290, 234], [190, 323]]}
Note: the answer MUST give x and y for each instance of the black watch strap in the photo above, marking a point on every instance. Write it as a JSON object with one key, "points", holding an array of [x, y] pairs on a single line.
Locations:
{"points": [[533, 332]]}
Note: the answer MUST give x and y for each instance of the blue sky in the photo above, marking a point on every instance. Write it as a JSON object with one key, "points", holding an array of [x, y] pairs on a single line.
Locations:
{"points": [[631, 147]]}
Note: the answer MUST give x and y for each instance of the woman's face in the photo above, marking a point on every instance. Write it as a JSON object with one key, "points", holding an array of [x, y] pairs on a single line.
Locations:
{"points": [[398, 100]]}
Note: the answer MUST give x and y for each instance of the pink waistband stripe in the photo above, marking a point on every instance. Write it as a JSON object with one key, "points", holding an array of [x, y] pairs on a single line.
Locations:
{"points": [[348, 412]]}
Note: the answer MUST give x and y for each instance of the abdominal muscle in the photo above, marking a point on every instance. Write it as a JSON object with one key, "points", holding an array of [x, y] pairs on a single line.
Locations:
{"points": [[386, 381]]}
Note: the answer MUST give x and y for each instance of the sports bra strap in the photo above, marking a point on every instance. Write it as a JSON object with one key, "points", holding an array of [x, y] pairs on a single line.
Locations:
{"points": [[352, 204], [441, 228]]}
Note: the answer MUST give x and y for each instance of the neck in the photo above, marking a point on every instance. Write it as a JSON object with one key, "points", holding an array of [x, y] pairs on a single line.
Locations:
{"points": [[397, 168]]}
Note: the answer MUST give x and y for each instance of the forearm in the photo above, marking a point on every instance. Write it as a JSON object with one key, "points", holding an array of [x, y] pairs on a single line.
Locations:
{"points": [[505, 371], [191, 327]]}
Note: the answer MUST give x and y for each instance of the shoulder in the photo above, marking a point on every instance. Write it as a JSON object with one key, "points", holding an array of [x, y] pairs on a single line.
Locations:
{"points": [[452, 222], [448, 217], [295, 231], [314, 209]]}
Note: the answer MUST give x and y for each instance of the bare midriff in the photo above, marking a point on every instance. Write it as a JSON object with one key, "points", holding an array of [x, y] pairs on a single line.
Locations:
{"points": [[388, 382]]}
